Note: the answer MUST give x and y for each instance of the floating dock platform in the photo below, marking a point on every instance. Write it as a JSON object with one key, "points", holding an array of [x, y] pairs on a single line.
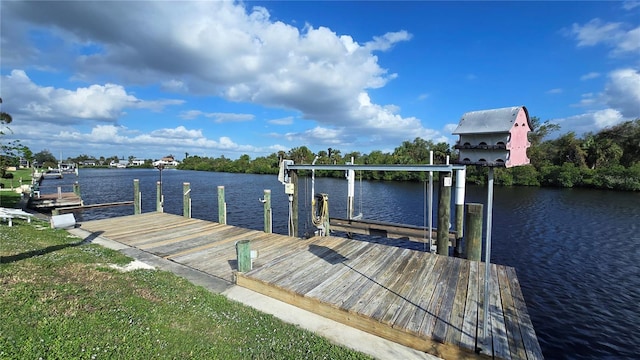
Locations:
{"points": [[390, 288]]}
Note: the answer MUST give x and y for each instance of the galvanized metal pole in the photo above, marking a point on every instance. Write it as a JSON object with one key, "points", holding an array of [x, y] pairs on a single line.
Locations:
{"points": [[460, 189], [351, 187], [487, 255], [294, 204], [430, 202]]}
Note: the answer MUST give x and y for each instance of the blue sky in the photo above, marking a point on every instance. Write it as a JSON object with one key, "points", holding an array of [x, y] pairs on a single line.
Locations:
{"points": [[212, 78]]}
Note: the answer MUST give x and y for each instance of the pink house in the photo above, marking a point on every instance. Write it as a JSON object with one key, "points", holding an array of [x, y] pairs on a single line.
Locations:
{"points": [[496, 137]]}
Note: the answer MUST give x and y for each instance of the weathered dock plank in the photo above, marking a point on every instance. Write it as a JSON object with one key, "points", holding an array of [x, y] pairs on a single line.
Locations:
{"points": [[392, 289], [454, 332]]}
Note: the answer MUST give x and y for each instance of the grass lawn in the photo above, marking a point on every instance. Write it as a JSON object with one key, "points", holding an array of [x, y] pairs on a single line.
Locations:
{"points": [[9, 198], [24, 174], [61, 299]]}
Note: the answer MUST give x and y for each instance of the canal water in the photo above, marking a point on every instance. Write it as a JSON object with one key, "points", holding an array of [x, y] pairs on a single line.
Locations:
{"points": [[576, 251]]}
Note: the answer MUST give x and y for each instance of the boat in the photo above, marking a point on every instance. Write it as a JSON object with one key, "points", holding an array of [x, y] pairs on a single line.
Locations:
{"points": [[68, 168], [52, 174]]}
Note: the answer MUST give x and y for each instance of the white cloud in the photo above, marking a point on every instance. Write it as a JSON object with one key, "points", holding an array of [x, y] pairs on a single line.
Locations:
{"points": [[554, 91], [622, 92], [218, 117], [630, 4], [95, 102], [613, 34], [221, 48], [607, 117], [282, 121], [589, 76]]}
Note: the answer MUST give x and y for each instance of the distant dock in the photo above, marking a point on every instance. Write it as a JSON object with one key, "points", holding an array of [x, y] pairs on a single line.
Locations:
{"points": [[390, 288], [50, 201]]}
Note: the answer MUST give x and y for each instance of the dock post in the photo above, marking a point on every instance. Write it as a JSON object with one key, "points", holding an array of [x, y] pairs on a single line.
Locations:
{"points": [[159, 197], [473, 236], [137, 208], [444, 213], [268, 219], [222, 206], [59, 192], [186, 200], [460, 187], [294, 204], [243, 253], [76, 188]]}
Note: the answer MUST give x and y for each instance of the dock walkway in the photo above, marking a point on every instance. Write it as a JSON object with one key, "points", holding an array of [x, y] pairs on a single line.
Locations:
{"points": [[390, 288]]}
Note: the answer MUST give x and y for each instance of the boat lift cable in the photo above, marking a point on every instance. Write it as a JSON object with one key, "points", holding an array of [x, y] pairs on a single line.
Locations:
{"points": [[306, 208], [360, 213], [424, 222]]}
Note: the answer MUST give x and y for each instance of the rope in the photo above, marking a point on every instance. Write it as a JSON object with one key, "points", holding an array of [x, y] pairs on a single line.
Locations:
{"points": [[320, 209]]}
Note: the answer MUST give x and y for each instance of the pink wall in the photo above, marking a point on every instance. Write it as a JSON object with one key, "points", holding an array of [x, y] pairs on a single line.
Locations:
{"points": [[519, 142]]}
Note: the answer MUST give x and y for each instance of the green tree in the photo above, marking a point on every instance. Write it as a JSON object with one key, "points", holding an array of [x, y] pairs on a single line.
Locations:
{"points": [[569, 149], [45, 159], [6, 150], [301, 155]]}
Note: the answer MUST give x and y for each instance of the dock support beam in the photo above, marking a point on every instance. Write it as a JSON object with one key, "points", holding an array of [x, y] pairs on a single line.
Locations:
{"points": [[268, 218], [137, 204], [186, 200], [159, 197], [444, 213], [473, 236], [222, 206]]}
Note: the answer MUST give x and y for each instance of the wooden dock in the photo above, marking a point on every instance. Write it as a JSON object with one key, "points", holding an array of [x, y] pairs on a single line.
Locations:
{"points": [[57, 200], [390, 288]]}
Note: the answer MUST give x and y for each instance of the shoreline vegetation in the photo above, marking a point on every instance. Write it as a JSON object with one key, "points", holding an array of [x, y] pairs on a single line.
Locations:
{"points": [[608, 159], [62, 298]]}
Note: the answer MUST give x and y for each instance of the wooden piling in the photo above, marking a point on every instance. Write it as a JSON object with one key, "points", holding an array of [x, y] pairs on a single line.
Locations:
{"points": [[159, 197], [222, 206], [268, 219], [76, 188], [186, 200], [473, 233], [243, 253], [444, 213], [137, 203]]}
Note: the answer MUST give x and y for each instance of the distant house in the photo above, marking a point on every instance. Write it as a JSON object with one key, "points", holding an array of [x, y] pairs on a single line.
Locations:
{"points": [[136, 162], [89, 162], [167, 161], [116, 164], [496, 137]]}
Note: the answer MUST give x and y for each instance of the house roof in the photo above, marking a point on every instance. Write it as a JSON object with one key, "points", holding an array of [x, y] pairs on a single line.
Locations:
{"points": [[490, 121]]}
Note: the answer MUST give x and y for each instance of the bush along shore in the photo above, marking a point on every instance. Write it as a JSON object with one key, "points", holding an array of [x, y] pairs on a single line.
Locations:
{"points": [[62, 298]]}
